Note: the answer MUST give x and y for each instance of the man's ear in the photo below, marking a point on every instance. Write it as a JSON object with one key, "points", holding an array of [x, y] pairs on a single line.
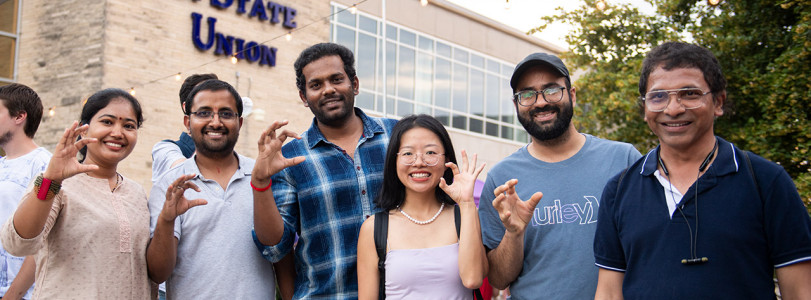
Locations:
{"points": [[186, 123], [573, 93], [303, 98], [20, 117], [718, 103], [355, 85]]}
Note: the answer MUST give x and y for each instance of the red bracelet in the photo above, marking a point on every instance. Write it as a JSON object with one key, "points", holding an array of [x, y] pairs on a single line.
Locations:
{"points": [[261, 189], [43, 188]]}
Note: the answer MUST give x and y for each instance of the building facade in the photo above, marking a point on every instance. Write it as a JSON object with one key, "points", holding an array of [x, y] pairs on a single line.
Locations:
{"points": [[439, 59]]}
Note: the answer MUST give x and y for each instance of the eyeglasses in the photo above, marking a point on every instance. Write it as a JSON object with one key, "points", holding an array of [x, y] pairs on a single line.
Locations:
{"points": [[689, 98], [550, 95], [429, 158], [208, 115]]}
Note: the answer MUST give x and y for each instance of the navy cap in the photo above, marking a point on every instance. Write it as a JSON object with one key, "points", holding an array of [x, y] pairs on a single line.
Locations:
{"points": [[535, 59]]}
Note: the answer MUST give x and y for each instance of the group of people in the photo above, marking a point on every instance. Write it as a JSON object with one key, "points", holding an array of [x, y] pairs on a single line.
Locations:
{"points": [[365, 207]]}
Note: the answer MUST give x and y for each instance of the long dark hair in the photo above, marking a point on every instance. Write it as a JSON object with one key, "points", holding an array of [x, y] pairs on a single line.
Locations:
{"points": [[99, 101], [392, 193]]}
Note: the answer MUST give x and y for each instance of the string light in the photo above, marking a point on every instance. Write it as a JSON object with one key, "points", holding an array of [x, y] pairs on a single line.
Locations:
{"points": [[600, 5], [713, 2], [132, 91], [423, 2], [234, 59], [353, 9], [52, 111], [507, 5], [177, 76], [288, 36]]}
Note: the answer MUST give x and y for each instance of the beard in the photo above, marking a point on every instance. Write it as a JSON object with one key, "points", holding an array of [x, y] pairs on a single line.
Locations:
{"points": [[215, 149], [337, 117], [5, 138], [549, 131]]}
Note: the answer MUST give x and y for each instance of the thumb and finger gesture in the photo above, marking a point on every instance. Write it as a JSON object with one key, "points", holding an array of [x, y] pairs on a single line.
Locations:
{"points": [[64, 163], [464, 179], [176, 203], [270, 159], [515, 214]]}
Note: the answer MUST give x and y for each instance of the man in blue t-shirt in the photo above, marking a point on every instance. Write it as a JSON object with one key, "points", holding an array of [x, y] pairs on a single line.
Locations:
{"points": [[649, 244], [541, 248]]}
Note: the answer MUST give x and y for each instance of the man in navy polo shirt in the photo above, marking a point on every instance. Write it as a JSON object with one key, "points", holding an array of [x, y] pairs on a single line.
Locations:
{"points": [[698, 218]]}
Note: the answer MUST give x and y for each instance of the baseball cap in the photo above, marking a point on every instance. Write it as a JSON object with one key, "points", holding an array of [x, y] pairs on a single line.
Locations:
{"points": [[535, 59]]}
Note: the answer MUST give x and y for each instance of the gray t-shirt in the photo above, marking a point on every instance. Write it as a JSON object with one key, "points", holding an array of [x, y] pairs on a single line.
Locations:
{"points": [[558, 252]]}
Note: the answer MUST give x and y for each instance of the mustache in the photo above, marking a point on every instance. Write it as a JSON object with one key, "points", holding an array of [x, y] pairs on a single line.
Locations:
{"points": [[544, 109], [224, 130]]}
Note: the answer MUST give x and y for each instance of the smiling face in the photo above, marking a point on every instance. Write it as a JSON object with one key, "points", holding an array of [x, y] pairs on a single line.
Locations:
{"points": [[116, 129], [213, 137], [420, 177], [677, 127], [542, 120], [328, 91]]}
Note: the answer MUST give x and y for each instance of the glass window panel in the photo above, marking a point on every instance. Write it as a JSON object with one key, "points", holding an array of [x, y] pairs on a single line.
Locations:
{"points": [[491, 129], [380, 65], [404, 108], [346, 17], [346, 37], [459, 122], [443, 116], [442, 82], [426, 44], [507, 71], [365, 100], [422, 109], [424, 74], [476, 125], [507, 132], [492, 66], [476, 93], [443, 50], [408, 37], [367, 47], [507, 107], [405, 79], [391, 68], [492, 97], [6, 57], [460, 55], [460, 88], [390, 105], [368, 24], [521, 136], [391, 32], [477, 61]]}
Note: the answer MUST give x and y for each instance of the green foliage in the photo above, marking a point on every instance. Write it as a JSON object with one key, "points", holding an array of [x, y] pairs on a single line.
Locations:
{"points": [[765, 52]]}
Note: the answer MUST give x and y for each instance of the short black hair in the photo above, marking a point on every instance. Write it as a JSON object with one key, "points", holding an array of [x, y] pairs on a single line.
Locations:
{"points": [[318, 51], [672, 55], [190, 83], [100, 100], [214, 85], [392, 192], [18, 98]]}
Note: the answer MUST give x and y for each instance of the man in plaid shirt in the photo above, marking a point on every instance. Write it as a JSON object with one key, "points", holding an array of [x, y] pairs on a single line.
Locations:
{"points": [[326, 198]]}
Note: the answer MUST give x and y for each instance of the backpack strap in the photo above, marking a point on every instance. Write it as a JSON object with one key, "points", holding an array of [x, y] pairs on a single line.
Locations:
{"points": [[381, 233], [752, 172], [457, 220]]}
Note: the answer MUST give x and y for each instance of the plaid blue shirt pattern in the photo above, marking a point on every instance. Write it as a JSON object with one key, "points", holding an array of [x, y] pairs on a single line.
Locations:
{"points": [[325, 200]]}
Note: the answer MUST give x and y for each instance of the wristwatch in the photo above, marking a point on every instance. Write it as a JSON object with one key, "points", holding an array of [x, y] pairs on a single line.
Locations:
{"points": [[46, 188]]}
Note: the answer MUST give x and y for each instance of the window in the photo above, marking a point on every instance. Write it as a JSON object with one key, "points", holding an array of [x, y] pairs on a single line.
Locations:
{"points": [[462, 88], [9, 10]]}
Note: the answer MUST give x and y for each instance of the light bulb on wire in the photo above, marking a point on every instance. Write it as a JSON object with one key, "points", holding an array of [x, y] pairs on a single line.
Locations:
{"points": [[600, 5], [713, 2], [424, 2], [353, 9], [288, 36], [132, 91], [52, 111], [177, 76], [234, 59]]}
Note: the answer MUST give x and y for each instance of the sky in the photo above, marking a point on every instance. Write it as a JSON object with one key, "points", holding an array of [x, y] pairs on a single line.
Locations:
{"points": [[525, 14]]}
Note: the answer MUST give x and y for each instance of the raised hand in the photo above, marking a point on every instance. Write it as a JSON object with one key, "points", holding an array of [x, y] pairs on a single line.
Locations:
{"points": [[176, 203], [464, 179], [270, 160], [64, 163], [514, 213]]}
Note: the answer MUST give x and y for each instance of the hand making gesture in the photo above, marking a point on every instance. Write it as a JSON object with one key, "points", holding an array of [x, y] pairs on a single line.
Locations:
{"points": [[176, 203], [464, 179], [64, 163], [270, 160], [514, 213]]}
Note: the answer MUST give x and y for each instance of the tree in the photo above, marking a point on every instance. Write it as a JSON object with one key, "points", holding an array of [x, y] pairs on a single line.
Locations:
{"points": [[764, 48]]}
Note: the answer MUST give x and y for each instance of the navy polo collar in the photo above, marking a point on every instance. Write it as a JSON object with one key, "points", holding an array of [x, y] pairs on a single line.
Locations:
{"points": [[725, 162]]}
